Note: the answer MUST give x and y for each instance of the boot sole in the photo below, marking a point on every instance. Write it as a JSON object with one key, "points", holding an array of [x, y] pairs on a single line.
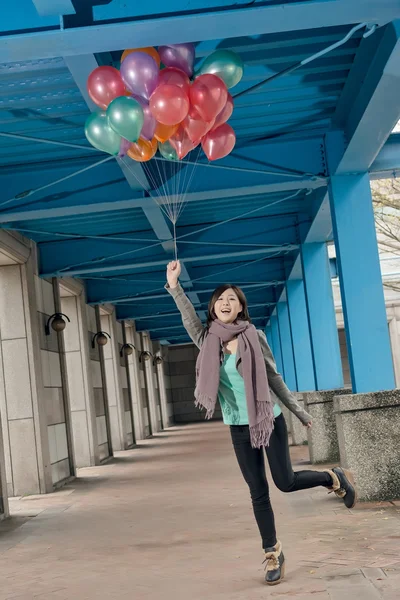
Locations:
{"points": [[350, 477], [279, 580]]}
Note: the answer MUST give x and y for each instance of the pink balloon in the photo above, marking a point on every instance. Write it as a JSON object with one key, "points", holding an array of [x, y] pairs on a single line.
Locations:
{"points": [[181, 143], [195, 126], [219, 142], [175, 77], [208, 95], [169, 104], [180, 56], [225, 113], [104, 85]]}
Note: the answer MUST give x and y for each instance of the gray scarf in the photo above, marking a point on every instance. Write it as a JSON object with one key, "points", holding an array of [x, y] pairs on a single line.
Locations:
{"points": [[252, 368]]}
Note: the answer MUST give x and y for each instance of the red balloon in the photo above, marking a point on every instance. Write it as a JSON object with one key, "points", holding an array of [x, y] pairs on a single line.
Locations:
{"points": [[219, 142], [169, 104], [181, 143], [208, 95], [225, 113], [175, 76], [104, 85], [195, 126]]}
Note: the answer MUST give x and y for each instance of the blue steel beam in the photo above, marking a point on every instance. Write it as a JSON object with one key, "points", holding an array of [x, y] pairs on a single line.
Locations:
{"points": [[376, 109], [363, 300], [242, 21], [94, 296], [321, 317], [287, 345], [57, 266]]}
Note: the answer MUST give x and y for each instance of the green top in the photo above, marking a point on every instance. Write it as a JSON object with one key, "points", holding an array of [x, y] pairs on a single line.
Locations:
{"points": [[231, 394]]}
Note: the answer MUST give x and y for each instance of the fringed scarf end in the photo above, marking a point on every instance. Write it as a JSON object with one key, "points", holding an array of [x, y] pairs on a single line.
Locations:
{"points": [[260, 433], [204, 401]]}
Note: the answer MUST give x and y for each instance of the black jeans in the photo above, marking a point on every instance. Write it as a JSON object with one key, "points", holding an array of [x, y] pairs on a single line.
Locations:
{"points": [[251, 463]]}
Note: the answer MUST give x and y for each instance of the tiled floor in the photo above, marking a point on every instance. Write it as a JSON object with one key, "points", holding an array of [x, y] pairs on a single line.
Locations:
{"points": [[172, 520]]}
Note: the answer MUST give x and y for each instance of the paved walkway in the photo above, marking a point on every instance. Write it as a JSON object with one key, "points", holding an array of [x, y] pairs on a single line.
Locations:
{"points": [[172, 520]]}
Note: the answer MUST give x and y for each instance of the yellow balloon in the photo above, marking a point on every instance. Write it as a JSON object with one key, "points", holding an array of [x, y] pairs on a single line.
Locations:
{"points": [[164, 132], [143, 150], [151, 51]]}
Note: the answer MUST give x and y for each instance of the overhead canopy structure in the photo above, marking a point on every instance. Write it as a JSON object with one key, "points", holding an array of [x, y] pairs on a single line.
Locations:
{"points": [[247, 215]]}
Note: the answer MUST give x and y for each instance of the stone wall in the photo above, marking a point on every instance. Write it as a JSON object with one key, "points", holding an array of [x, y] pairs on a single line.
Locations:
{"points": [[182, 364]]}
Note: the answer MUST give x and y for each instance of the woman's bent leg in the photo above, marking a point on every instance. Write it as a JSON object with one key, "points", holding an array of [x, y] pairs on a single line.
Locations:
{"points": [[281, 467], [251, 463]]}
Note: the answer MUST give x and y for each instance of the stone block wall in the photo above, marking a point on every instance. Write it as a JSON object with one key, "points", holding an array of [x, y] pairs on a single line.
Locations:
{"points": [[182, 363]]}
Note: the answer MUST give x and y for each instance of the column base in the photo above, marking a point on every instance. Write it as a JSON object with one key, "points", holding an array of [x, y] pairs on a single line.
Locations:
{"points": [[369, 442], [322, 437], [296, 427]]}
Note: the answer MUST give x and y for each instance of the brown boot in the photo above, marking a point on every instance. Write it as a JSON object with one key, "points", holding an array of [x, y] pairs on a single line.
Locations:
{"points": [[343, 485], [275, 564]]}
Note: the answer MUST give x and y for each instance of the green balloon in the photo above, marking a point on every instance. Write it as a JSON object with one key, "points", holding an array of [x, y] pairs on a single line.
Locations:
{"points": [[100, 134], [126, 117], [167, 150], [225, 64]]}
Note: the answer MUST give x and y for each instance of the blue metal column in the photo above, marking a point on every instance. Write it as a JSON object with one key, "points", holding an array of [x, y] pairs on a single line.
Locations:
{"points": [[287, 345], [367, 334], [321, 317], [276, 342], [268, 333], [303, 358]]}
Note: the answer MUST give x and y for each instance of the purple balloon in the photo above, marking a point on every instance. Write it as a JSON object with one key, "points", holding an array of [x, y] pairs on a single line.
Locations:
{"points": [[150, 124], [139, 72], [180, 56], [124, 147]]}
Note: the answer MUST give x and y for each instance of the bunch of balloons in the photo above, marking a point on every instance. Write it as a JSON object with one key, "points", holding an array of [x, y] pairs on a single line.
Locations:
{"points": [[173, 110]]}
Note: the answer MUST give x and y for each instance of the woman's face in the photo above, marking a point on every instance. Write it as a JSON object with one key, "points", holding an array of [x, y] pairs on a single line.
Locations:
{"points": [[227, 307]]}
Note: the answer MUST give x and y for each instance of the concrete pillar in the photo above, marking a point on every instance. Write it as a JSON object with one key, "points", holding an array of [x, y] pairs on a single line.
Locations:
{"points": [[134, 378], [322, 437], [303, 358], [79, 380], [160, 376], [370, 358], [115, 396], [22, 396], [276, 340], [155, 414], [297, 429], [368, 430], [287, 345], [321, 317], [126, 387], [143, 386], [98, 383], [4, 509]]}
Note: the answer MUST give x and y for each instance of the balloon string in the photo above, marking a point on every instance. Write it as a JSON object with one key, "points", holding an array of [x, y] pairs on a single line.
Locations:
{"points": [[175, 242]]}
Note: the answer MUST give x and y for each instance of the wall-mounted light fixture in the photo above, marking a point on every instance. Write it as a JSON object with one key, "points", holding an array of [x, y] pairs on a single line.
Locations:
{"points": [[101, 338], [157, 360], [57, 323], [127, 350], [145, 355]]}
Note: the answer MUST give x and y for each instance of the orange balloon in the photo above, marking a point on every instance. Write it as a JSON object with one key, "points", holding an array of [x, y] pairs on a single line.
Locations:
{"points": [[143, 150], [164, 132], [151, 51]]}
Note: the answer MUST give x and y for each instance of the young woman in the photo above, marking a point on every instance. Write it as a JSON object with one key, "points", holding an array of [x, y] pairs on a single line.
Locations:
{"points": [[236, 366]]}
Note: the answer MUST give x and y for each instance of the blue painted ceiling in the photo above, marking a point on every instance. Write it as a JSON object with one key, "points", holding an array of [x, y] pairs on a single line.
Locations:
{"points": [[102, 227]]}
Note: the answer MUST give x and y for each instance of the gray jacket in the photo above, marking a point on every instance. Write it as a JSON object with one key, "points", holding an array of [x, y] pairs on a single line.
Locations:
{"points": [[195, 329]]}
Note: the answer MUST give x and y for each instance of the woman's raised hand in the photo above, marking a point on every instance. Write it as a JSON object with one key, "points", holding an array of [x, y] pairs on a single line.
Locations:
{"points": [[173, 271]]}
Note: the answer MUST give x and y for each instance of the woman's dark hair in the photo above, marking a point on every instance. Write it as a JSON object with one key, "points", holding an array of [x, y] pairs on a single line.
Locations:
{"points": [[243, 315]]}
